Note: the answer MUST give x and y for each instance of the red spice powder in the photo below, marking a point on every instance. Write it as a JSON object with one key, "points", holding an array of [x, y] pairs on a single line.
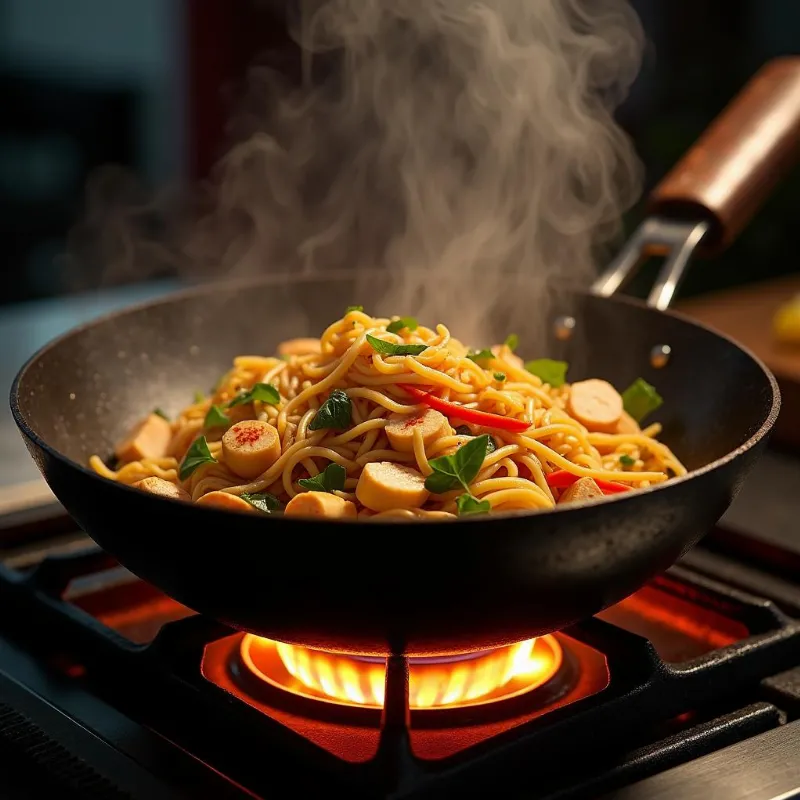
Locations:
{"points": [[246, 434], [413, 422]]}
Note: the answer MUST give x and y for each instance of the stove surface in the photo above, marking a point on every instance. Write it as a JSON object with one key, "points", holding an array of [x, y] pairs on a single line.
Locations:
{"points": [[109, 689]]}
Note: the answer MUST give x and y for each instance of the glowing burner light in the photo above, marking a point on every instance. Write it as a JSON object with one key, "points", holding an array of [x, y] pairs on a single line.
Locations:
{"points": [[440, 682]]}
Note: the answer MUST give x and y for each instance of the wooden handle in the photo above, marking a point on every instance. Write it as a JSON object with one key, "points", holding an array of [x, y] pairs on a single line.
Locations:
{"points": [[735, 164]]}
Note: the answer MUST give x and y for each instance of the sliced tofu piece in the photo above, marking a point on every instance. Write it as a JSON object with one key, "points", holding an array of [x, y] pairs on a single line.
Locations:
{"points": [[149, 439], [430, 423], [299, 347], [627, 424], [438, 515], [250, 448], [582, 490], [384, 486], [162, 488], [320, 504], [503, 352], [226, 501], [596, 404]]}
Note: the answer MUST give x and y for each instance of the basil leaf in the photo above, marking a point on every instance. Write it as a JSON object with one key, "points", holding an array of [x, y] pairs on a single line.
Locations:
{"points": [[512, 342], [443, 479], [549, 371], [216, 418], [198, 396], [159, 413], [263, 392], [626, 460], [336, 412], [266, 393], [389, 349], [481, 355], [458, 469], [500, 376], [463, 430], [353, 308], [329, 480], [467, 504], [641, 399], [197, 455], [263, 501], [404, 322]]}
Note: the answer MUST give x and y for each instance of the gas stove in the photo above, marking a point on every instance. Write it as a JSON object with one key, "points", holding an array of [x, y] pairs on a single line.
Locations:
{"points": [[109, 689]]}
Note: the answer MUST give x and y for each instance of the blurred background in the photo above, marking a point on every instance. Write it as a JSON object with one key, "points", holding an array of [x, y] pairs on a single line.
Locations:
{"points": [[146, 84]]}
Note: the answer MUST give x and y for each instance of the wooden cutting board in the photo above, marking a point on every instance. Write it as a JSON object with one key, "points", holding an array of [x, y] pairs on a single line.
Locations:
{"points": [[745, 314]]}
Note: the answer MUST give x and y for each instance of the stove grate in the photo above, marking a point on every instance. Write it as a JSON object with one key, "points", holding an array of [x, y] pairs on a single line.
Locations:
{"points": [[643, 693]]}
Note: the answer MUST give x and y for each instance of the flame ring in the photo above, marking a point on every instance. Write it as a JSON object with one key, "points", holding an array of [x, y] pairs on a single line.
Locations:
{"points": [[445, 683]]}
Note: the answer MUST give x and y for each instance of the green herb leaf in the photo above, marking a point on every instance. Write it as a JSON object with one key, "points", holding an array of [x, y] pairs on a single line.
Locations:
{"points": [[389, 349], [329, 480], [641, 399], [197, 455], [263, 501], [512, 342], [499, 376], [216, 418], [353, 308], [336, 412], [159, 413], [464, 430], [549, 371], [198, 396], [626, 460], [263, 392], [404, 322], [458, 469], [481, 356], [467, 504]]}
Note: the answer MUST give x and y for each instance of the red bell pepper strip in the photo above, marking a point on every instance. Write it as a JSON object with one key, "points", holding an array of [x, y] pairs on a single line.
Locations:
{"points": [[467, 414], [561, 479]]}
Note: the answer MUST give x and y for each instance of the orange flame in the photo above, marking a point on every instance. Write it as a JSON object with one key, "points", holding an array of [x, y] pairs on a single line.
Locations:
{"points": [[433, 682]]}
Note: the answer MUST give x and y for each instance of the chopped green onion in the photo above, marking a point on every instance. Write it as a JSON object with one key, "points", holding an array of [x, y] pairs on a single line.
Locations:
{"points": [[641, 399]]}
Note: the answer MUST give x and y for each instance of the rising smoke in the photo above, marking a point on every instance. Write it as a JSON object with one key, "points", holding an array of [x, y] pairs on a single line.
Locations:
{"points": [[472, 141]]}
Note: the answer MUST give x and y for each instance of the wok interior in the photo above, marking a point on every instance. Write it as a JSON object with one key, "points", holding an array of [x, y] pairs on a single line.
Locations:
{"points": [[83, 393]]}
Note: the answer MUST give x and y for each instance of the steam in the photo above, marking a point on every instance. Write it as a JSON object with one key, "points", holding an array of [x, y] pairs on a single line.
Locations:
{"points": [[454, 145]]}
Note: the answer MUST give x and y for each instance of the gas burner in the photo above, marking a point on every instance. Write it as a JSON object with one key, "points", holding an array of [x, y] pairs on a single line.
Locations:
{"points": [[448, 704], [435, 683], [687, 669]]}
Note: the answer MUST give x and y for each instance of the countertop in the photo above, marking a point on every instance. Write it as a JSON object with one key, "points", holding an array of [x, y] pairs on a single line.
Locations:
{"points": [[26, 327], [768, 505], [745, 313]]}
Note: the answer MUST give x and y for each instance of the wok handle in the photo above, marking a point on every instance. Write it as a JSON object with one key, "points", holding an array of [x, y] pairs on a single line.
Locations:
{"points": [[734, 166], [711, 194]]}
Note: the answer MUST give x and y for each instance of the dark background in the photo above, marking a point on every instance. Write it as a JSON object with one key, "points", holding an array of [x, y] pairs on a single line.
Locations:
{"points": [[141, 83]]}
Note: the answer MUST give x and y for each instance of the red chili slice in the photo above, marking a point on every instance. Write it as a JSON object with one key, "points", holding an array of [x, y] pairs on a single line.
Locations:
{"points": [[561, 479], [472, 415]]}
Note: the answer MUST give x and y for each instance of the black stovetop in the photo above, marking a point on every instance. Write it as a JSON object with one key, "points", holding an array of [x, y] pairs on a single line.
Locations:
{"points": [[108, 689]]}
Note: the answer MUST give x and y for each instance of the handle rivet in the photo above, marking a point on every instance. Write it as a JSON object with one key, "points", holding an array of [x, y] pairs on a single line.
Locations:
{"points": [[659, 356], [563, 327]]}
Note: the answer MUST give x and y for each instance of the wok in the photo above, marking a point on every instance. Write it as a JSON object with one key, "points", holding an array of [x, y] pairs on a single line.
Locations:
{"points": [[430, 588]]}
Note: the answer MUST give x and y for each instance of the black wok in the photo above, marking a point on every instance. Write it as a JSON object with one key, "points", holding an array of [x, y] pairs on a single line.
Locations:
{"points": [[427, 588]]}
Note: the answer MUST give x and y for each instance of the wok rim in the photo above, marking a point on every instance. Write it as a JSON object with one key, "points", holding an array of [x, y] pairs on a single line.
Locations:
{"points": [[229, 285]]}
